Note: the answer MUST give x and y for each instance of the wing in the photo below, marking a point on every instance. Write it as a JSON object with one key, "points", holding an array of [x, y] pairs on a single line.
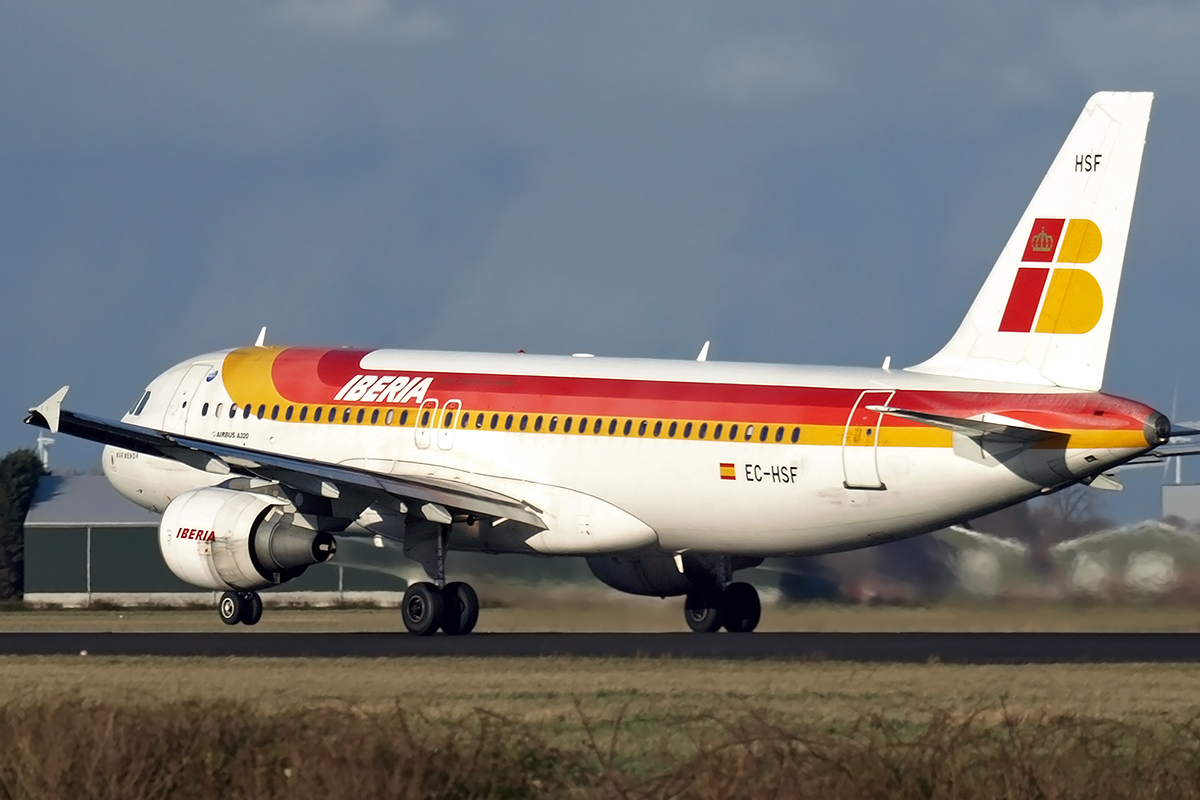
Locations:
{"points": [[432, 498]]}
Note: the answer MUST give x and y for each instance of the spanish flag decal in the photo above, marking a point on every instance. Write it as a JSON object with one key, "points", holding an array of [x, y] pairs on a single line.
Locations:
{"points": [[728, 473]]}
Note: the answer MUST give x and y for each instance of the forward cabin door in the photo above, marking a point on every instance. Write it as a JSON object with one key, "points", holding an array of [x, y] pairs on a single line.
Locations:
{"points": [[860, 442], [181, 409]]}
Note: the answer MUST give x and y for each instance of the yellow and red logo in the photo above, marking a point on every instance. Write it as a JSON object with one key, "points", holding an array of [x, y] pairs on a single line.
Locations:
{"points": [[728, 473], [1072, 300]]}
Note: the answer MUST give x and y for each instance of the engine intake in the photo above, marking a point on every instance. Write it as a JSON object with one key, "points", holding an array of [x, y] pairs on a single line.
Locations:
{"points": [[225, 539]]}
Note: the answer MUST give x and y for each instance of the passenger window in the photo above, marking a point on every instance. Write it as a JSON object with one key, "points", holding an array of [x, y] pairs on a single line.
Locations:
{"points": [[795, 435], [479, 420], [598, 425], [687, 431], [583, 424], [316, 415], [448, 420], [717, 430], [332, 414], [553, 424], [732, 432], [628, 427], [204, 410], [262, 411], [275, 412], [612, 427], [762, 434], [246, 412], [389, 417], [508, 422], [346, 415], [703, 430], [404, 417], [658, 428], [287, 415], [567, 426], [642, 428], [779, 434], [495, 421], [375, 416], [749, 432], [424, 419], [303, 413], [466, 420], [220, 407], [524, 421], [537, 424], [671, 430]]}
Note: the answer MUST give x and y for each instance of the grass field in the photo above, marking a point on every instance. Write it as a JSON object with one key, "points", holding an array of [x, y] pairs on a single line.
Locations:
{"points": [[617, 727], [574, 609]]}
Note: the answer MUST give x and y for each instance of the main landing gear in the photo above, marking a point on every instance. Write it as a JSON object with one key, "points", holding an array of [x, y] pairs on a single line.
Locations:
{"points": [[243, 607], [735, 607], [452, 607]]}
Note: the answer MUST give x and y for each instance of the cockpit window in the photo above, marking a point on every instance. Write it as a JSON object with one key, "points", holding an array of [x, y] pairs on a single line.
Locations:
{"points": [[137, 409]]}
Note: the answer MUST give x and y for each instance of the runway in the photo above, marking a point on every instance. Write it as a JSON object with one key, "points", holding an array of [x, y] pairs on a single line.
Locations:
{"points": [[950, 648]]}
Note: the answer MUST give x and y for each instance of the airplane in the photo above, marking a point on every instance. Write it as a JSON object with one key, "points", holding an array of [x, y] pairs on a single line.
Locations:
{"points": [[667, 476]]}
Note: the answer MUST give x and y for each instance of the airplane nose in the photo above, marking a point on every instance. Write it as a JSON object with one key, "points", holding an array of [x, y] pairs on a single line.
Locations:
{"points": [[1157, 429]]}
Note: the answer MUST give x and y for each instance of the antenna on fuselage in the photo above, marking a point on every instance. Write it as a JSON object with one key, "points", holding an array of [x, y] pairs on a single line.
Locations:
{"points": [[262, 337], [703, 352]]}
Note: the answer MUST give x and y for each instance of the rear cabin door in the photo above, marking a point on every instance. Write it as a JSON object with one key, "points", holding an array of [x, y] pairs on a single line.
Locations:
{"points": [[860, 442]]}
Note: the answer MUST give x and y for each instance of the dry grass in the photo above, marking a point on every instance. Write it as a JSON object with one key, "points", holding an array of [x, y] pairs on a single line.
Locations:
{"points": [[582, 609], [95, 727]]}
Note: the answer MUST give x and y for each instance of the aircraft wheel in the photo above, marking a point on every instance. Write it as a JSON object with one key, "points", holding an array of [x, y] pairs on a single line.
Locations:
{"points": [[251, 608], [230, 607], [704, 611], [422, 609], [461, 609], [742, 608]]}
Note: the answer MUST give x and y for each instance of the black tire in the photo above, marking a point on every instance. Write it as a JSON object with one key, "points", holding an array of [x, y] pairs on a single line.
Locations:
{"points": [[742, 608], [461, 610], [251, 608], [704, 611], [231, 608], [422, 609]]}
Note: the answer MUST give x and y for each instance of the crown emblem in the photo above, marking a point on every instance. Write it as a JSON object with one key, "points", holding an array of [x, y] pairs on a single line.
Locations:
{"points": [[1042, 242]]}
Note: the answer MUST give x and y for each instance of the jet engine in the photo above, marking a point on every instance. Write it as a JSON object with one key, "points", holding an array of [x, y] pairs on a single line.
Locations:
{"points": [[660, 576], [223, 539]]}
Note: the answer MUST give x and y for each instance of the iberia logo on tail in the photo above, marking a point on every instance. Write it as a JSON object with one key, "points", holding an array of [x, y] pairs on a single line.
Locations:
{"points": [[1069, 298]]}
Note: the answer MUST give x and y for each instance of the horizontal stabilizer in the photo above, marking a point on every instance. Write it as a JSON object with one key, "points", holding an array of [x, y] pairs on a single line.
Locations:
{"points": [[991, 424]]}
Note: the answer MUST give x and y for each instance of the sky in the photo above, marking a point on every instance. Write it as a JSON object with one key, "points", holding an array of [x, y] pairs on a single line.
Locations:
{"points": [[799, 183]]}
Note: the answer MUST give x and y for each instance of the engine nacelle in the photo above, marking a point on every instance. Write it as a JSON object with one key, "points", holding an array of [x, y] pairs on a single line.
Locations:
{"points": [[224, 539]]}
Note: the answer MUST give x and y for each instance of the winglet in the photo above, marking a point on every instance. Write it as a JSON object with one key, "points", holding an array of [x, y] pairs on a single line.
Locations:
{"points": [[46, 415], [262, 337], [703, 352]]}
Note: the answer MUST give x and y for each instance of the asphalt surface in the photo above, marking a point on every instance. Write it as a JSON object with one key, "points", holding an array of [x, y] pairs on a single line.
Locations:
{"points": [[951, 648]]}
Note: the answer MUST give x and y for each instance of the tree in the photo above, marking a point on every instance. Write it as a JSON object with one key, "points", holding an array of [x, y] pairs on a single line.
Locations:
{"points": [[19, 474]]}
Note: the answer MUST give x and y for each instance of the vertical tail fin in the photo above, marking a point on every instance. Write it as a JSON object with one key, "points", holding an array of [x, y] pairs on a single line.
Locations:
{"points": [[1045, 313]]}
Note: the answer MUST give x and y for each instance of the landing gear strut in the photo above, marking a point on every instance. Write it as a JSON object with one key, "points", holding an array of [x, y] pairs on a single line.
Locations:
{"points": [[453, 607], [243, 607], [736, 608]]}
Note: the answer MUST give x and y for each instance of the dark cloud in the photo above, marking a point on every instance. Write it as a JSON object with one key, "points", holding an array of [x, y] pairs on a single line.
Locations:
{"points": [[798, 184]]}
